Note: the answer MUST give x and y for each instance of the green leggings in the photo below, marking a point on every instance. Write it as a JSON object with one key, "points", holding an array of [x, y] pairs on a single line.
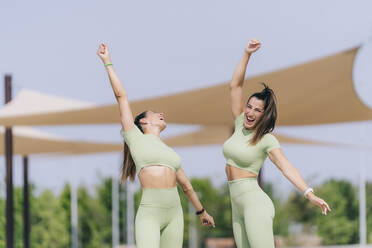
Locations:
{"points": [[252, 214], [159, 219]]}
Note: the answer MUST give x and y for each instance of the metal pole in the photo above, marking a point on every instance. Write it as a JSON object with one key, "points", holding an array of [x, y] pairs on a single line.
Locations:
{"points": [[115, 212], [9, 213], [123, 197], [130, 215], [193, 235], [362, 193], [26, 205], [74, 217]]}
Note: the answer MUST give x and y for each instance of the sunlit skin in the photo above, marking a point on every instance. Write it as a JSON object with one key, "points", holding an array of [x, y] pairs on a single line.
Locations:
{"points": [[154, 176], [253, 112]]}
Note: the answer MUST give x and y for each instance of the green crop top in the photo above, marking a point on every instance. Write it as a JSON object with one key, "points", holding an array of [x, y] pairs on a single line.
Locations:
{"points": [[149, 149], [240, 153]]}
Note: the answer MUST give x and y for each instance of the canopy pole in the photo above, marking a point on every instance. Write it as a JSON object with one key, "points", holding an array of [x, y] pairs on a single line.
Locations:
{"points": [[9, 213], [26, 205]]}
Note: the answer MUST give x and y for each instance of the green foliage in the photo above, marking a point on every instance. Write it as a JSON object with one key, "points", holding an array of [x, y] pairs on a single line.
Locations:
{"points": [[369, 212], [217, 202], [300, 209], [282, 219], [65, 203], [18, 220], [51, 219], [48, 217], [105, 202], [340, 226], [122, 214]]}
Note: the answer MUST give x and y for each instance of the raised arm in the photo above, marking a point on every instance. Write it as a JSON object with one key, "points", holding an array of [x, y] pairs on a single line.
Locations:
{"points": [[187, 188], [236, 84], [126, 116], [294, 176]]}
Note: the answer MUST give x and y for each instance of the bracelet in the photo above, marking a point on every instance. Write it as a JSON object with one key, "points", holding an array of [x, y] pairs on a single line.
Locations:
{"points": [[307, 191], [200, 212], [108, 64]]}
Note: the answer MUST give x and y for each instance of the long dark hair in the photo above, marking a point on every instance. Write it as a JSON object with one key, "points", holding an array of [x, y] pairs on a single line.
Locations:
{"points": [[267, 122], [128, 168]]}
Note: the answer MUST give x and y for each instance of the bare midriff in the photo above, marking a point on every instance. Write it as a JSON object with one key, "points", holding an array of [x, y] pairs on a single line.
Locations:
{"points": [[157, 176], [234, 173]]}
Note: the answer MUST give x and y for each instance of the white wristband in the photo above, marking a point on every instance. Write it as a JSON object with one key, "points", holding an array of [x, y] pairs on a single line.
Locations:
{"points": [[307, 191]]}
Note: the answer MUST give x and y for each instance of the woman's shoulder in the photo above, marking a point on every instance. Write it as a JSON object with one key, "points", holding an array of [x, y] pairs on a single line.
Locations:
{"points": [[268, 137]]}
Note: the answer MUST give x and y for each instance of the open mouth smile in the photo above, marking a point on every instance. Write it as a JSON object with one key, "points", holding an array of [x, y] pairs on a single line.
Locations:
{"points": [[250, 120]]}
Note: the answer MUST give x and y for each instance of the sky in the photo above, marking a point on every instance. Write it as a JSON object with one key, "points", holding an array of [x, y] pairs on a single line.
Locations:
{"points": [[163, 47]]}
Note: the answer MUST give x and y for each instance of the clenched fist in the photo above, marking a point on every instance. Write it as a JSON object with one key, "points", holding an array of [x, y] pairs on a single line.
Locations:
{"points": [[252, 46], [103, 53]]}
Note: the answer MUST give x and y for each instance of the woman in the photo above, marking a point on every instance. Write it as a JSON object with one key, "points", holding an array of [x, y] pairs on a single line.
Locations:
{"points": [[245, 152], [159, 219]]}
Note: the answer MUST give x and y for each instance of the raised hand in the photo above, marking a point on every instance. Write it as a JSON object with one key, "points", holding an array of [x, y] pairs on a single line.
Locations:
{"points": [[206, 219], [319, 202], [103, 53], [252, 46]]}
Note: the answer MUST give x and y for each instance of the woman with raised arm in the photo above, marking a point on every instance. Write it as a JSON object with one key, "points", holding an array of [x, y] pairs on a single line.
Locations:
{"points": [[245, 152], [159, 219]]}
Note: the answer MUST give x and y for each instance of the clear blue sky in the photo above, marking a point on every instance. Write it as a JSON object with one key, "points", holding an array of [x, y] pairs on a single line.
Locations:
{"points": [[161, 47]]}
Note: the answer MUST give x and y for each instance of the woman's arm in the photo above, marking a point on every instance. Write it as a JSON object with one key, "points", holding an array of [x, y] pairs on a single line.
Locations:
{"points": [[236, 84], [126, 116], [187, 188], [294, 176]]}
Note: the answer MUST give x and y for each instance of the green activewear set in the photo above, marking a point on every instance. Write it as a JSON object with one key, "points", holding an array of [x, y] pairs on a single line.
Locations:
{"points": [[252, 210], [159, 219]]}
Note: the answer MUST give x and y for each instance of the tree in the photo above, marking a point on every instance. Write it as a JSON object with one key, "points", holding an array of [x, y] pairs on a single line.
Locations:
{"points": [[282, 215], [104, 198], [217, 203], [340, 226], [65, 203], [48, 222], [122, 214]]}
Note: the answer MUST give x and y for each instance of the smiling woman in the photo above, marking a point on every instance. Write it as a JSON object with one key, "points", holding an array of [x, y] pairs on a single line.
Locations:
{"points": [[245, 152], [159, 219]]}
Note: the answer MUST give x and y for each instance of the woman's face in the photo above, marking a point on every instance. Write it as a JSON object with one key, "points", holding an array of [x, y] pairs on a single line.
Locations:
{"points": [[155, 119], [253, 113]]}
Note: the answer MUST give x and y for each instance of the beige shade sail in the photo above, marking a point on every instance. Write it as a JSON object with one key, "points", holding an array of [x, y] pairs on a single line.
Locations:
{"points": [[27, 141], [34, 108], [217, 135], [317, 92]]}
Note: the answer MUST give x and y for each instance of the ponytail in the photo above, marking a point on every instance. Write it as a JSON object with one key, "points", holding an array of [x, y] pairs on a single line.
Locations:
{"points": [[129, 168]]}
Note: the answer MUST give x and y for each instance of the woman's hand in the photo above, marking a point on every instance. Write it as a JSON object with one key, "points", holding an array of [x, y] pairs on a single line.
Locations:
{"points": [[206, 219], [319, 202], [103, 53], [252, 46]]}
